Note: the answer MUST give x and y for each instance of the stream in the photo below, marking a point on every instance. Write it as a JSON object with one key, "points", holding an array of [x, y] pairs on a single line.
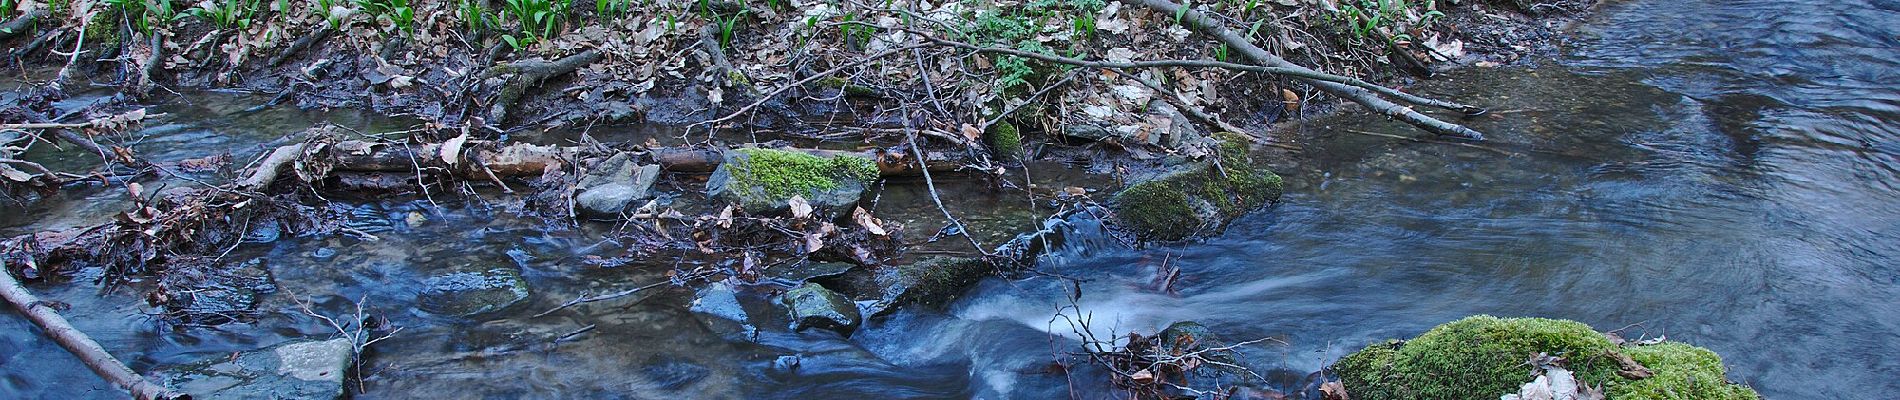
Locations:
{"points": [[1722, 173]]}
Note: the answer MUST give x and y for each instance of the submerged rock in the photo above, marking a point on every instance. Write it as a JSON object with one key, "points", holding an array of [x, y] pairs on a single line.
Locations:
{"points": [[930, 282], [296, 370], [462, 294], [813, 306], [1488, 357], [609, 188], [764, 180], [1197, 198], [213, 294]]}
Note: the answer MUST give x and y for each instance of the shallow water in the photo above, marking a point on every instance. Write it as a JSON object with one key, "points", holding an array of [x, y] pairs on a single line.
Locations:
{"points": [[1720, 172]]}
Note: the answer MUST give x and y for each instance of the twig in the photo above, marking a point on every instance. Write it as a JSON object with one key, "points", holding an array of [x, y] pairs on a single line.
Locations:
{"points": [[799, 83]]}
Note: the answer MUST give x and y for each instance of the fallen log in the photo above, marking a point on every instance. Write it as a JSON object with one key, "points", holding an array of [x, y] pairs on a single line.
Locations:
{"points": [[1206, 25], [21, 24], [82, 346]]}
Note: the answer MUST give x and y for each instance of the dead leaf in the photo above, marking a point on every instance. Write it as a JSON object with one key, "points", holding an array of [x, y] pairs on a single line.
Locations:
{"points": [[970, 132], [800, 208], [725, 217], [1292, 100], [451, 150], [813, 242], [1142, 377], [1333, 391], [870, 224]]}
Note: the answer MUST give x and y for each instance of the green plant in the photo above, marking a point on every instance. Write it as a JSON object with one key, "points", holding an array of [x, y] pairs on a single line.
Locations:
{"points": [[726, 22], [535, 20], [398, 11], [475, 17], [1366, 17], [145, 14], [8, 7], [226, 14], [610, 9]]}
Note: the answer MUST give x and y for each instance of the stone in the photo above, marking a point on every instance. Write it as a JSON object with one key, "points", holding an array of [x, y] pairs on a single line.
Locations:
{"points": [[609, 188], [765, 180], [1196, 198], [215, 294], [296, 370], [1177, 131], [813, 306], [930, 282], [469, 293]]}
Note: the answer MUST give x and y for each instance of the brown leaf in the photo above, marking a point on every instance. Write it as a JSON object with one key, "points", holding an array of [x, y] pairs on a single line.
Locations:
{"points": [[870, 224], [813, 242], [725, 217], [970, 132], [1333, 391], [1292, 100], [1142, 377]]}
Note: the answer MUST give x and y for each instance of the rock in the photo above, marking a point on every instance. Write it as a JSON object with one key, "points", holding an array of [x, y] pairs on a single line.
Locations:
{"points": [[764, 180], [1197, 198], [1177, 131], [813, 306], [1005, 141], [609, 188], [720, 300], [931, 282], [296, 370], [214, 294], [1486, 357], [461, 294], [800, 272]]}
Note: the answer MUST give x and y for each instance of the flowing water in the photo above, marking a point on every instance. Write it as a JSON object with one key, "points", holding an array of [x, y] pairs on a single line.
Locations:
{"points": [[1719, 172]]}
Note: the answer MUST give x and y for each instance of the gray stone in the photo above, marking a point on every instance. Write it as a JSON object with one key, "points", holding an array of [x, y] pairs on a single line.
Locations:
{"points": [[813, 306], [930, 282], [462, 294], [720, 300], [1181, 132], [609, 188], [215, 294], [296, 370], [765, 183]]}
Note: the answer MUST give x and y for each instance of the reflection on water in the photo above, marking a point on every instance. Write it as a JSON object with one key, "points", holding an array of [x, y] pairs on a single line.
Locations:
{"points": [[1720, 172]]}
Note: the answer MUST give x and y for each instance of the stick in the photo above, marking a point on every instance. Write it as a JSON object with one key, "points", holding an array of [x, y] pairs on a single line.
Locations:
{"points": [[800, 82], [79, 344], [21, 24], [1206, 25]]}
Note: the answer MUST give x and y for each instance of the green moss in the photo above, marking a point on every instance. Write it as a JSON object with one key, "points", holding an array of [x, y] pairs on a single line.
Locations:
{"points": [[936, 281], [1157, 209], [783, 174], [1177, 205], [1682, 372], [1005, 141], [1484, 357]]}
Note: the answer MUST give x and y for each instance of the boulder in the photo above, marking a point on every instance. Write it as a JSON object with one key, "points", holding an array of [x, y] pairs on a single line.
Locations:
{"points": [[609, 188], [931, 282], [295, 370], [813, 306], [765, 180], [468, 293], [1489, 357], [1196, 198]]}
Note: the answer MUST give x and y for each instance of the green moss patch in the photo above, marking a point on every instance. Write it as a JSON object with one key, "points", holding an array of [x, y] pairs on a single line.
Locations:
{"points": [[1201, 196], [1485, 357], [783, 174], [1005, 141]]}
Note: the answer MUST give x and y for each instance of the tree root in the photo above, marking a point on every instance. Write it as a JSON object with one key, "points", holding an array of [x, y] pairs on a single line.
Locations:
{"points": [[530, 73], [1362, 94], [300, 45]]}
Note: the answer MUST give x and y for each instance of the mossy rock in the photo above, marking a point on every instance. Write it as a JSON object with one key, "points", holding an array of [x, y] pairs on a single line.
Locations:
{"points": [[765, 180], [1197, 198], [1483, 357], [1006, 142], [930, 282], [814, 306]]}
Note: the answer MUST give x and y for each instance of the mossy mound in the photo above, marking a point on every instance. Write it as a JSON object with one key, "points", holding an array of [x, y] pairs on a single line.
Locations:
{"points": [[766, 179], [1199, 197], [1005, 141], [1483, 357]]}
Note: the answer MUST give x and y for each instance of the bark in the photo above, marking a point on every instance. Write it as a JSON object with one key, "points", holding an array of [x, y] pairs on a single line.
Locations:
{"points": [[22, 24], [82, 346], [527, 74], [1209, 26], [300, 45], [143, 88], [277, 162]]}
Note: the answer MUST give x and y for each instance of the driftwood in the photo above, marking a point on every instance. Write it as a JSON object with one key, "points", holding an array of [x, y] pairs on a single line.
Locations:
{"points": [[300, 45], [82, 346], [1207, 25]]}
